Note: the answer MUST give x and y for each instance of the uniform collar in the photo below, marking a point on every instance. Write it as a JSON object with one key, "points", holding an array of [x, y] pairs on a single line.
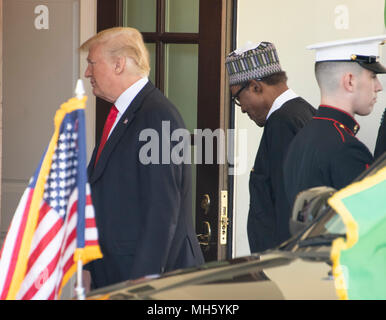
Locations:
{"points": [[280, 100], [335, 114]]}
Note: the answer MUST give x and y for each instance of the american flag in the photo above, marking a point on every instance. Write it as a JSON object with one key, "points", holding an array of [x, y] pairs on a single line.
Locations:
{"points": [[38, 256]]}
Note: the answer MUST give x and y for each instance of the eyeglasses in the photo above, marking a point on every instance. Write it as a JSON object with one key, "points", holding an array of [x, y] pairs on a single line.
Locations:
{"points": [[236, 98]]}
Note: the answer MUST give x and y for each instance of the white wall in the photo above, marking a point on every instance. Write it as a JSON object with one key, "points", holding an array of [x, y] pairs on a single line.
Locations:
{"points": [[88, 21], [291, 26], [83, 25], [40, 69]]}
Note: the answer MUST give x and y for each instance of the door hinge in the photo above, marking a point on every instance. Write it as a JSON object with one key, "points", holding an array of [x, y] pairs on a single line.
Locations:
{"points": [[224, 217]]}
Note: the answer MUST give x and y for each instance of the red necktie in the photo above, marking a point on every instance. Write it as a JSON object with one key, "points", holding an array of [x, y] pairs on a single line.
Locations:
{"points": [[106, 129]]}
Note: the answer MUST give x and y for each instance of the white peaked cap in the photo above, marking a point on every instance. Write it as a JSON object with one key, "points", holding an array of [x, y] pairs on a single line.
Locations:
{"points": [[365, 51]]}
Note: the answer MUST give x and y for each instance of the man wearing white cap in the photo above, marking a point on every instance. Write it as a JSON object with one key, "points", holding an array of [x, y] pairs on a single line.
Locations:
{"points": [[259, 87], [326, 151]]}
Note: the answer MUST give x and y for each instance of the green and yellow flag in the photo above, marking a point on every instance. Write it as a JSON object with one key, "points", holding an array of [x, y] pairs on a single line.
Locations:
{"points": [[385, 14], [359, 261]]}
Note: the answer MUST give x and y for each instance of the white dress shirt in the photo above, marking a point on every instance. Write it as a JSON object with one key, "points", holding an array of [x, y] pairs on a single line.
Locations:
{"points": [[280, 100], [125, 99]]}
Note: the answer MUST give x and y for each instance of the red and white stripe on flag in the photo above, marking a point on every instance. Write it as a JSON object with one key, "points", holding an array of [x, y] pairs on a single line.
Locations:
{"points": [[51, 258]]}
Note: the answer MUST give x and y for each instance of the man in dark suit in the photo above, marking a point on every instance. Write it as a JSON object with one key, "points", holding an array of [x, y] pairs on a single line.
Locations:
{"points": [[259, 87], [326, 151], [380, 145], [143, 210]]}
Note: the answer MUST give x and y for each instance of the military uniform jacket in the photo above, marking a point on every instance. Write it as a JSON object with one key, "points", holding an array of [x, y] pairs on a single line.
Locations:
{"points": [[268, 218], [325, 153]]}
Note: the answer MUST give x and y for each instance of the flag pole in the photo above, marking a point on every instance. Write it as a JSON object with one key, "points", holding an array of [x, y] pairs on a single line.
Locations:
{"points": [[79, 290]]}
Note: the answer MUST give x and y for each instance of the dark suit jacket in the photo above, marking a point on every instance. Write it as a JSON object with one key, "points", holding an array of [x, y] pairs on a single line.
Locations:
{"points": [[143, 212], [269, 210], [380, 146]]}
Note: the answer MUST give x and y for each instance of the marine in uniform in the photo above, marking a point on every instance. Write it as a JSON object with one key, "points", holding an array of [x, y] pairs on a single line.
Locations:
{"points": [[259, 87], [326, 152]]}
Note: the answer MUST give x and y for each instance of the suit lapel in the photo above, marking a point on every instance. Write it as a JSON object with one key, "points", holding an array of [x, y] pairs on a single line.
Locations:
{"points": [[124, 122]]}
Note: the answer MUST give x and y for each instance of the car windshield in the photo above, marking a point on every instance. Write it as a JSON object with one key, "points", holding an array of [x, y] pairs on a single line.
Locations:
{"points": [[329, 225], [331, 222]]}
